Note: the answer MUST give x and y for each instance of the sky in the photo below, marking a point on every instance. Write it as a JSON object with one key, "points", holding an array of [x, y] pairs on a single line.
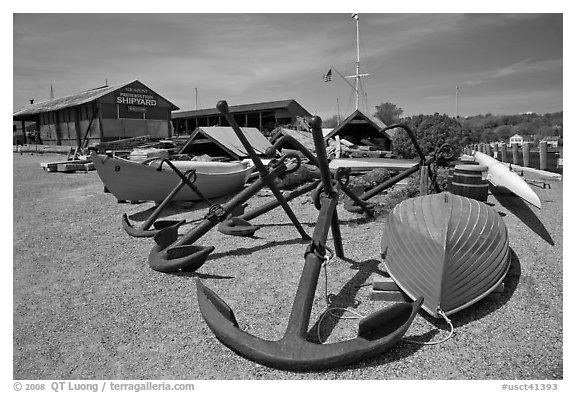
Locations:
{"points": [[465, 64]]}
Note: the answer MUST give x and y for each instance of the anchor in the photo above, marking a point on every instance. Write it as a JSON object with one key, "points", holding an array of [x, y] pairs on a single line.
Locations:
{"points": [[361, 206], [376, 332], [188, 178], [172, 254], [444, 153]]}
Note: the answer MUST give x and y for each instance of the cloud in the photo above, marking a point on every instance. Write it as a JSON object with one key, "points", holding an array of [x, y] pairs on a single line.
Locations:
{"points": [[528, 66]]}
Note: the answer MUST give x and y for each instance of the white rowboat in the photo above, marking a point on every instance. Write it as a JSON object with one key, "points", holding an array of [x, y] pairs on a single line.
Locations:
{"points": [[132, 181]]}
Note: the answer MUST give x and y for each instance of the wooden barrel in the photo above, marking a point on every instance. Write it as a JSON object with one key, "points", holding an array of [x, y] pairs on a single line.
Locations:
{"points": [[468, 181], [453, 165]]}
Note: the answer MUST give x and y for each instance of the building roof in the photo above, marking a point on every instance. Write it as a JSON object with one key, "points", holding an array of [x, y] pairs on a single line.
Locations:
{"points": [[70, 101], [304, 137], [356, 116], [262, 106], [226, 139]]}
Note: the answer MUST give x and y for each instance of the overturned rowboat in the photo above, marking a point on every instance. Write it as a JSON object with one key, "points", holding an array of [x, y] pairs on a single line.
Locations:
{"points": [[133, 181], [450, 249]]}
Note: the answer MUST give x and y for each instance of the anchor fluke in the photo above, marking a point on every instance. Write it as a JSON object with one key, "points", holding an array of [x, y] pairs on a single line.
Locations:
{"points": [[185, 258], [166, 236], [144, 231], [376, 334]]}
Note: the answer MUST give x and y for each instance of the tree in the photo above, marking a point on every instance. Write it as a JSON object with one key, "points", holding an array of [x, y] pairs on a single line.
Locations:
{"points": [[331, 122], [389, 113], [488, 136], [503, 132], [431, 131]]}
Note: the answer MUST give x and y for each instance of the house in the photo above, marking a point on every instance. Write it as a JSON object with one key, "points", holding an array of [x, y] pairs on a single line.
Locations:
{"points": [[103, 114], [516, 139], [552, 141], [364, 130]]}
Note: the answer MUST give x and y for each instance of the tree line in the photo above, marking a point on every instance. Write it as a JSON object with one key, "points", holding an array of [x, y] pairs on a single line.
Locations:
{"points": [[434, 130]]}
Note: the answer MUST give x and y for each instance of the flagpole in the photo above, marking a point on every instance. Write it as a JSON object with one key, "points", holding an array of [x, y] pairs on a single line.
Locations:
{"points": [[457, 90]]}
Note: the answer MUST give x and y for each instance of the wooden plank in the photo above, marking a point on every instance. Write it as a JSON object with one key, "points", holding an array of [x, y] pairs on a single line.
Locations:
{"points": [[384, 284], [388, 296], [70, 167]]}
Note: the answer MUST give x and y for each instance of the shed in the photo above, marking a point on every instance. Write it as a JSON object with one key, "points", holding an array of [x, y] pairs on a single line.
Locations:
{"points": [[98, 115], [364, 130], [264, 115], [222, 141]]}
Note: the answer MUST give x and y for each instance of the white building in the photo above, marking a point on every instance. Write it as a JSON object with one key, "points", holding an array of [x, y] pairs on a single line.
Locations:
{"points": [[518, 139]]}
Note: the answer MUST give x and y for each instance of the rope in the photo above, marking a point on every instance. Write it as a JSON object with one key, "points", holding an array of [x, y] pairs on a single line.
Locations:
{"points": [[328, 257], [450, 334], [330, 310]]}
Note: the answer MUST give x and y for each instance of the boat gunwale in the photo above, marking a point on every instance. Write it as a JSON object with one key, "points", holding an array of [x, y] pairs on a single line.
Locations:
{"points": [[168, 169]]}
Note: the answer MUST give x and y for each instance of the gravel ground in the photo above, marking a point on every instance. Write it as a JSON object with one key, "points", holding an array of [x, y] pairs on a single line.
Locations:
{"points": [[87, 306]]}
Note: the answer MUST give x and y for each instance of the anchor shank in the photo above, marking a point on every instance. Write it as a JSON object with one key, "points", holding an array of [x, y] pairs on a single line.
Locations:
{"points": [[222, 106], [320, 146], [276, 191], [275, 203], [390, 182], [300, 314]]}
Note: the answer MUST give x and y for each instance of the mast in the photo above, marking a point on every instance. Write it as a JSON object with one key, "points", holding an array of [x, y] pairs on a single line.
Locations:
{"points": [[358, 75]]}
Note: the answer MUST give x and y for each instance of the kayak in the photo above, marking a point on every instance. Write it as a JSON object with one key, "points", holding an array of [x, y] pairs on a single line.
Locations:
{"points": [[499, 175]]}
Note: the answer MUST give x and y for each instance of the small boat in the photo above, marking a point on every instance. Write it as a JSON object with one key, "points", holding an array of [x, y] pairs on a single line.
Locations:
{"points": [[450, 249], [133, 181], [392, 164], [499, 175]]}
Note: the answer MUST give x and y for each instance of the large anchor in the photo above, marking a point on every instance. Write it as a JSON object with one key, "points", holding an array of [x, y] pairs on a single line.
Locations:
{"points": [[442, 154], [376, 332], [171, 254]]}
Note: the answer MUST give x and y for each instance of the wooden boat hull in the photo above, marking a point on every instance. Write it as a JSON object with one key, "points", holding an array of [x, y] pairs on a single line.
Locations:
{"points": [[450, 249], [131, 181], [499, 175]]}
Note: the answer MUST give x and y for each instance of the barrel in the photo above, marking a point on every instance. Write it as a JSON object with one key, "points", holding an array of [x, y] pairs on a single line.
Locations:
{"points": [[452, 166], [469, 181]]}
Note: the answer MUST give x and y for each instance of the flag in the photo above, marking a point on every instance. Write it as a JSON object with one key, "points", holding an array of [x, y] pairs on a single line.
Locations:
{"points": [[328, 76], [355, 16]]}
